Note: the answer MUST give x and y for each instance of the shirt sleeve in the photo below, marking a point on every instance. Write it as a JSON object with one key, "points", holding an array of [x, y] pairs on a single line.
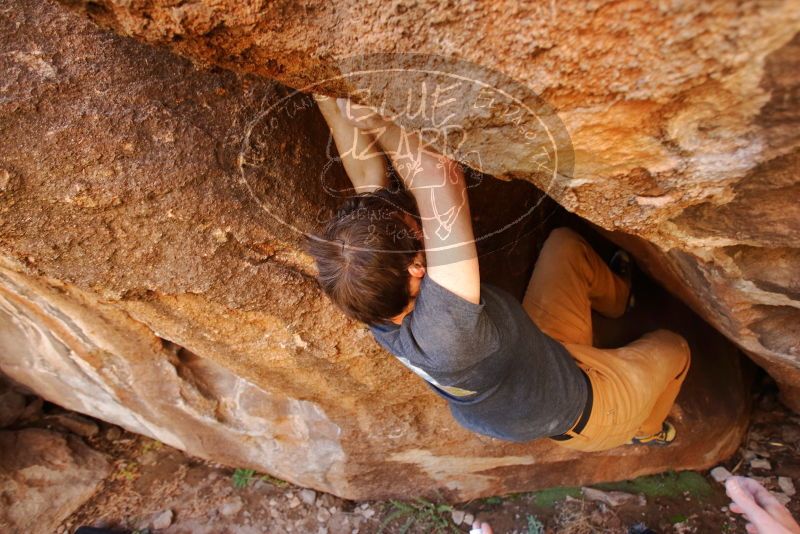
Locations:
{"points": [[451, 332]]}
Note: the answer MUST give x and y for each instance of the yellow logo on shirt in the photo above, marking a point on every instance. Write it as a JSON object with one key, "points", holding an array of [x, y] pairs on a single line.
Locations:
{"points": [[457, 392]]}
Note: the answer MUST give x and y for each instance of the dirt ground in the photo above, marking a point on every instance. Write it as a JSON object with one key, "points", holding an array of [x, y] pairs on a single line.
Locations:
{"points": [[155, 488]]}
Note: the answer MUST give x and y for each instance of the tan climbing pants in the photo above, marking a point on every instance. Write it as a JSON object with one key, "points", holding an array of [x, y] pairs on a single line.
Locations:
{"points": [[634, 386]]}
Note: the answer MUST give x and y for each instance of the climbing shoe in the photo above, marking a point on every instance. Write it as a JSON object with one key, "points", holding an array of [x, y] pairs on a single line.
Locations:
{"points": [[659, 439], [621, 264]]}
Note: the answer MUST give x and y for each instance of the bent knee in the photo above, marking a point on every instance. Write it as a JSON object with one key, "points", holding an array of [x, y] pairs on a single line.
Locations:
{"points": [[563, 234], [675, 347], [564, 241]]}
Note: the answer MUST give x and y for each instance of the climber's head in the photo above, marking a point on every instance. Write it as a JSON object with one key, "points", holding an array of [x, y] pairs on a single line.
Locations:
{"points": [[370, 257]]}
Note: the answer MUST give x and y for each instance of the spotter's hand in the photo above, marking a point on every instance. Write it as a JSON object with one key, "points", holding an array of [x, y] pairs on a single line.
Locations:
{"points": [[763, 511]]}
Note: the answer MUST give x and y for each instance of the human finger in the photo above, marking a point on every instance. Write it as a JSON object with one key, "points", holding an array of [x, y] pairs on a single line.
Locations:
{"points": [[740, 492], [753, 487], [735, 508], [766, 500], [760, 494]]}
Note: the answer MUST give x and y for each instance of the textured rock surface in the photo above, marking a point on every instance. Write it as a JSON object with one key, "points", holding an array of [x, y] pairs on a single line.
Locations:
{"points": [[44, 477], [145, 279], [12, 404], [686, 136]]}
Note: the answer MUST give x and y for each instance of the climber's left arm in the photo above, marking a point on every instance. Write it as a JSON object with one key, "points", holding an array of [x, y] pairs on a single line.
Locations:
{"points": [[362, 158]]}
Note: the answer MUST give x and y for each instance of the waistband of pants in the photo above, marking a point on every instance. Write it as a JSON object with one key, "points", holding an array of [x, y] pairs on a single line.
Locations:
{"points": [[584, 418]]}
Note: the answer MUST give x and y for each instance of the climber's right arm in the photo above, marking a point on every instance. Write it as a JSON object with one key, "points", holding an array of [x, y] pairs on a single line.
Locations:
{"points": [[363, 160]]}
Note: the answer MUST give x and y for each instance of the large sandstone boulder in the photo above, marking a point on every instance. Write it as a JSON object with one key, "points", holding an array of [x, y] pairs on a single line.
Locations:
{"points": [[151, 275], [684, 120]]}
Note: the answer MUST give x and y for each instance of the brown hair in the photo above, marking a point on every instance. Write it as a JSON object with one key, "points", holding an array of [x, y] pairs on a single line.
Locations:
{"points": [[364, 252]]}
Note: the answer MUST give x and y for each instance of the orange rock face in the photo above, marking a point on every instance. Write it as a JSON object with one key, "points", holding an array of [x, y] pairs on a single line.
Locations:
{"points": [[151, 272], [684, 120]]}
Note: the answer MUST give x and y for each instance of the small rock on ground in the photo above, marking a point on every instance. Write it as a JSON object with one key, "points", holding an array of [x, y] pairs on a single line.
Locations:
{"points": [[787, 486], [163, 520], [720, 474], [323, 515], [231, 507], [308, 496], [458, 516], [612, 498], [339, 523], [759, 463]]}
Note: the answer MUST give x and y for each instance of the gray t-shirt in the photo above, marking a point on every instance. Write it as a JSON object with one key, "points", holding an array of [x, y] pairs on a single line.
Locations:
{"points": [[502, 376]]}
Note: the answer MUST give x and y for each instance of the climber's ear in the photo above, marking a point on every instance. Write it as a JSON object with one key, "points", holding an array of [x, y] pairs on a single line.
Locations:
{"points": [[417, 267], [417, 271]]}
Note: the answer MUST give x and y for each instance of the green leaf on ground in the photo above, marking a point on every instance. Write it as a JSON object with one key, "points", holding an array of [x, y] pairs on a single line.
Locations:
{"points": [[425, 515], [242, 477], [677, 518], [669, 484], [274, 481], [548, 497]]}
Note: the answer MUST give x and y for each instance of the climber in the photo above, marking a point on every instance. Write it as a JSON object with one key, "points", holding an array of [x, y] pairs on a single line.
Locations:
{"points": [[404, 261]]}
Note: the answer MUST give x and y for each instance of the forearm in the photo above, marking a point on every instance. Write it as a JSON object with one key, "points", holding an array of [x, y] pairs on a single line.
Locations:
{"points": [[439, 187], [361, 157]]}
